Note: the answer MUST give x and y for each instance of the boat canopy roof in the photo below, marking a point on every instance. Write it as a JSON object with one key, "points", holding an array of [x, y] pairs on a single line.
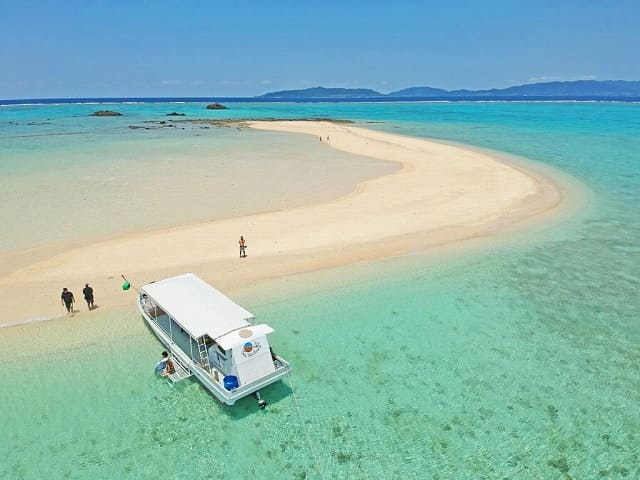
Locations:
{"points": [[198, 307], [244, 335]]}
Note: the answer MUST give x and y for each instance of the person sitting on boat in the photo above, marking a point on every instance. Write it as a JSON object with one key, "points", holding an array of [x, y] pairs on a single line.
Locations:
{"points": [[169, 368], [162, 364]]}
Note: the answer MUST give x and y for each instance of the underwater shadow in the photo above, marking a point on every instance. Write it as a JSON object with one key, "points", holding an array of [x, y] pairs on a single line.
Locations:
{"points": [[273, 394]]}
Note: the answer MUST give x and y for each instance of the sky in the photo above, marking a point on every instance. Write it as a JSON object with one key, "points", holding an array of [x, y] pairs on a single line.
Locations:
{"points": [[214, 48]]}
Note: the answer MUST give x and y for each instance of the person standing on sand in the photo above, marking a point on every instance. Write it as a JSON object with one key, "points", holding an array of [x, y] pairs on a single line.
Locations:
{"points": [[243, 247], [67, 300], [87, 291]]}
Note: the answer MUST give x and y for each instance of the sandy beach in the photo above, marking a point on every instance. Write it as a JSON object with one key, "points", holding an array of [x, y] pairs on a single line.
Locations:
{"points": [[440, 195]]}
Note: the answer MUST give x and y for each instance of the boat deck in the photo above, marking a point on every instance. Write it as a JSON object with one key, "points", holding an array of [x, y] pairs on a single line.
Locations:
{"points": [[181, 373], [180, 337]]}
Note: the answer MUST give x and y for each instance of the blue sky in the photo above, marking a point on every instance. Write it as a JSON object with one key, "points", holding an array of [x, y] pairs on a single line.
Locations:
{"points": [[245, 48]]}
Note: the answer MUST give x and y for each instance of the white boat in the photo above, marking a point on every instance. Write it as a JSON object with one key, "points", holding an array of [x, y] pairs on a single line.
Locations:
{"points": [[211, 337]]}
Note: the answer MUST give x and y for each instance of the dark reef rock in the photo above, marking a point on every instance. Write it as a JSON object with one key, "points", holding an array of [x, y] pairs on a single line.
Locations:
{"points": [[216, 106], [175, 114], [106, 113]]}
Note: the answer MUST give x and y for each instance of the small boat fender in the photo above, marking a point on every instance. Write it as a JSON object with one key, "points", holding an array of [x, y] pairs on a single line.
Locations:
{"points": [[230, 382]]}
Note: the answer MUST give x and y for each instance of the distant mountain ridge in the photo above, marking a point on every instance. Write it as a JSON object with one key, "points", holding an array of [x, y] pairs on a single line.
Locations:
{"points": [[573, 89], [321, 92]]}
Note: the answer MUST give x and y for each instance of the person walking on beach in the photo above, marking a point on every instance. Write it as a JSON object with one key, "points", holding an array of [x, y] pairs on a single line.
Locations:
{"points": [[87, 291], [243, 247], [67, 300]]}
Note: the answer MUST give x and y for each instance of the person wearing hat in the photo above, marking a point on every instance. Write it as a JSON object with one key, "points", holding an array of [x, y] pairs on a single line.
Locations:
{"points": [[87, 291]]}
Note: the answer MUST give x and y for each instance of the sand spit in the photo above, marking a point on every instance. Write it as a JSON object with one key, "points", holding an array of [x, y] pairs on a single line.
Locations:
{"points": [[442, 194]]}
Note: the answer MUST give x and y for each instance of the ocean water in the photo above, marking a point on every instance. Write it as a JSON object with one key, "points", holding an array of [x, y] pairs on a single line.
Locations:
{"points": [[518, 361]]}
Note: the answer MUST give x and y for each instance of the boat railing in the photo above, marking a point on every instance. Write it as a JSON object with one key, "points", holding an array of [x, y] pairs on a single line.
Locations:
{"points": [[279, 362]]}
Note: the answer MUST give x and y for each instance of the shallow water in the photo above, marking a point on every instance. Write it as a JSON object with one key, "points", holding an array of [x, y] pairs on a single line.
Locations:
{"points": [[521, 361], [60, 187]]}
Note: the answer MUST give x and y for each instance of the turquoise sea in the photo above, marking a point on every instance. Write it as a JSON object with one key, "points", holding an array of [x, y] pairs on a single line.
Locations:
{"points": [[518, 361]]}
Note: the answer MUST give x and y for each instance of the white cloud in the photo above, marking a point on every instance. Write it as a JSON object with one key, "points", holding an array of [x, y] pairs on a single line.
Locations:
{"points": [[235, 83], [560, 78], [171, 83]]}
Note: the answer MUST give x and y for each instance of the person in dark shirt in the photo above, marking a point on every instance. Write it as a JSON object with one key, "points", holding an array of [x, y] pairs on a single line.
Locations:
{"points": [[162, 364], [87, 291], [67, 300], [165, 365]]}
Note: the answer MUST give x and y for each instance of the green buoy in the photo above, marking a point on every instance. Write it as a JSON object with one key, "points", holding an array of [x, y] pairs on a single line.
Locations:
{"points": [[126, 285]]}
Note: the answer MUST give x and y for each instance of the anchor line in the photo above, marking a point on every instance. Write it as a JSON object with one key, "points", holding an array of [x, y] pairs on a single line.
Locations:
{"points": [[310, 444]]}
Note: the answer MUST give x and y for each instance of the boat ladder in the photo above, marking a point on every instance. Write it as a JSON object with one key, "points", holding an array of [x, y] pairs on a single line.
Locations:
{"points": [[204, 355], [182, 372]]}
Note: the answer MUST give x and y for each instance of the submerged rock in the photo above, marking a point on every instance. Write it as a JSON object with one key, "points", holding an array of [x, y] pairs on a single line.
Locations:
{"points": [[216, 106], [106, 113], [175, 114]]}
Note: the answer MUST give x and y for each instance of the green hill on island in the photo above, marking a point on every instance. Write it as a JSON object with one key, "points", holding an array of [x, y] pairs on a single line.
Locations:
{"points": [[321, 92]]}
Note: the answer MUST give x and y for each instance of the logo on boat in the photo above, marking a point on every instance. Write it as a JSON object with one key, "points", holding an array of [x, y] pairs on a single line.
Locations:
{"points": [[249, 349]]}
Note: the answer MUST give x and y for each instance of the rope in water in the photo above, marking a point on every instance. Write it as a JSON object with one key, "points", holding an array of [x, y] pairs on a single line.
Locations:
{"points": [[304, 428]]}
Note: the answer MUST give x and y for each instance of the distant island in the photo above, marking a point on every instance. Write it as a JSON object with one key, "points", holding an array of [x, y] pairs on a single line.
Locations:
{"points": [[321, 92], [579, 89]]}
